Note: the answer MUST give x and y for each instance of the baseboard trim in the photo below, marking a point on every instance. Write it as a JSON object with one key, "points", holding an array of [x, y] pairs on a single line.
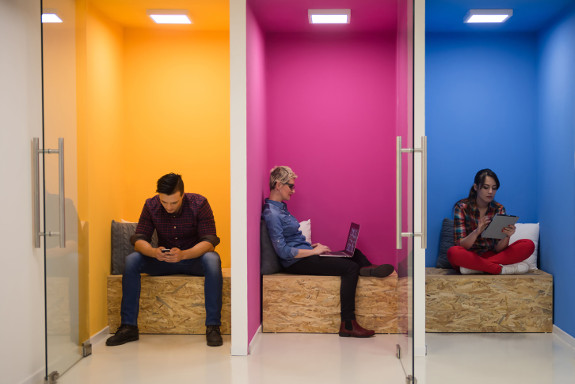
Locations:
{"points": [[255, 340], [563, 336], [100, 336]]}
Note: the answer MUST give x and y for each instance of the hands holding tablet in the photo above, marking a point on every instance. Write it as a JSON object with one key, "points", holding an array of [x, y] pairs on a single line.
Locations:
{"points": [[500, 227]]}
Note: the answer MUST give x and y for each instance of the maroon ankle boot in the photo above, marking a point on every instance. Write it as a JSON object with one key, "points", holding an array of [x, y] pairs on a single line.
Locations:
{"points": [[351, 328]]}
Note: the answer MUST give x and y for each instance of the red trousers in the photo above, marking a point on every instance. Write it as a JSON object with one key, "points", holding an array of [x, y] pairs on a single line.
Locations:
{"points": [[490, 262]]}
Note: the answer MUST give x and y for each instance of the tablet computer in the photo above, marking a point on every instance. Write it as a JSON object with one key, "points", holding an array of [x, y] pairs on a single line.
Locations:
{"points": [[495, 227]]}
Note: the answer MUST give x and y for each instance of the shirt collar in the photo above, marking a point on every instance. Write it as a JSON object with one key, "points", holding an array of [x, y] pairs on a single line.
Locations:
{"points": [[280, 205]]}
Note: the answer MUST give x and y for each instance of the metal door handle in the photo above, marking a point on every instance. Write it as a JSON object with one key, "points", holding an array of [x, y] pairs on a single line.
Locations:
{"points": [[61, 192], [398, 199]]}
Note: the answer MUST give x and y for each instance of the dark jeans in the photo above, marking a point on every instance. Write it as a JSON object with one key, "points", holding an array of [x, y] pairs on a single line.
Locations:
{"points": [[208, 265], [348, 269]]}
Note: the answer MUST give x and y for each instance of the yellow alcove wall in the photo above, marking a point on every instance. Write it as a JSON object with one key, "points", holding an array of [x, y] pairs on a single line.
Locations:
{"points": [[151, 101]]}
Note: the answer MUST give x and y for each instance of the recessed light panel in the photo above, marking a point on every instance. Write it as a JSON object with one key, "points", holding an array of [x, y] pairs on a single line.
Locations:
{"points": [[329, 16], [169, 16], [50, 17], [488, 15]]}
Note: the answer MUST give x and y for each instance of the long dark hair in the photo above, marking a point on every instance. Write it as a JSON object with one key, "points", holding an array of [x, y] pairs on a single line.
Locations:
{"points": [[479, 181]]}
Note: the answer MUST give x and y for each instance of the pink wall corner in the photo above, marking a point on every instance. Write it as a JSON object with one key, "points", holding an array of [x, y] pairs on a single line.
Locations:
{"points": [[256, 163], [331, 104]]}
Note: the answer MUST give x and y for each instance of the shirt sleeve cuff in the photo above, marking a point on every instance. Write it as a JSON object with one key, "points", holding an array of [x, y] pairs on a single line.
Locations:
{"points": [[138, 236], [214, 240]]}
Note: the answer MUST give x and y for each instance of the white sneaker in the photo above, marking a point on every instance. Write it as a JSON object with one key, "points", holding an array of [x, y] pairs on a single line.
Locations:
{"points": [[467, 271], [515, 269]]}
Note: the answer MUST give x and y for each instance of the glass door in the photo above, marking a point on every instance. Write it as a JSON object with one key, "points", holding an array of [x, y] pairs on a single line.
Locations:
{"points": [[60, 188], [408, 158]]}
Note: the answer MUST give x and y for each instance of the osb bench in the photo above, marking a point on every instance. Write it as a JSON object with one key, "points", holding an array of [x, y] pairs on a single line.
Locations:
{"points": [[311, 304], [488, 303], [170, 304]]}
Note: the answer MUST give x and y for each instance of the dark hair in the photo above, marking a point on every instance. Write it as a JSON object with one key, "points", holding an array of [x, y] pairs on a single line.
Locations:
{"points": [[480, 180], [170, 184]]}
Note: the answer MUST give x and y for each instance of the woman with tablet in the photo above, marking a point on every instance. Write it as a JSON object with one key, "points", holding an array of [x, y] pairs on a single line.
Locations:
{"points": [[474, 253], [299, 257]]}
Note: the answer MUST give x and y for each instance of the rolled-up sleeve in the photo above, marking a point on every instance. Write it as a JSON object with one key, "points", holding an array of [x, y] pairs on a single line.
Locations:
{"points": [[459, 230], [275, 231], [145, 228]]}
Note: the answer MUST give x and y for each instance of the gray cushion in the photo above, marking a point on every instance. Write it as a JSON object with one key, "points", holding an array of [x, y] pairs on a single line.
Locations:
{"points": [[445, 242], [121, 247], [270, 262]]}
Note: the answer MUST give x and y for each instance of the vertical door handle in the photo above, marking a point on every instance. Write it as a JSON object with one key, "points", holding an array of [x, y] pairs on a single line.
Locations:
{"points": [[61, 193], [36, 190], [398, 196], [398, 199], [36, 151]]}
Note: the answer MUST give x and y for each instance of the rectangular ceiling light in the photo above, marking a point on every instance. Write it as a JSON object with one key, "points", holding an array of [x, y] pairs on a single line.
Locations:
{"points": [[329, 16], [50, 16], [488, 15], [169, 16]]}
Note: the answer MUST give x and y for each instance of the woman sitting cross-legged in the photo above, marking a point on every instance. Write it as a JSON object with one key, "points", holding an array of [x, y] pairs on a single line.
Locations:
{"points": [[297, 256], [475, 254]]}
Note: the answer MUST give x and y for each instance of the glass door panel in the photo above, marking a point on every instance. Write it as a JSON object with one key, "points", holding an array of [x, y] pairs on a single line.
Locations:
{"points": [[60, 193], [405, 186]]}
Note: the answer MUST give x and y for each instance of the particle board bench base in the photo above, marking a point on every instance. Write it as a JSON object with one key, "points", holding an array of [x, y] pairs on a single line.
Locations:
{"points": [[311, 304], [171, 304], [488, 303]]}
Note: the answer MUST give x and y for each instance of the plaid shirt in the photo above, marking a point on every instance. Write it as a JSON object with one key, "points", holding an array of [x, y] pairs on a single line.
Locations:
{"points": [[192, 224], [465, 219]]}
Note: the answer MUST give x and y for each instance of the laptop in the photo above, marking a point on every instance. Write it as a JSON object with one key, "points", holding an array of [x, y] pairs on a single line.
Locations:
{"points": [[349, 245]]}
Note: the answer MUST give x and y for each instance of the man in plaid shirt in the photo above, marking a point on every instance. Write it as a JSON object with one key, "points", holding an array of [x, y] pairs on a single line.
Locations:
{"points": [[187, 238]]}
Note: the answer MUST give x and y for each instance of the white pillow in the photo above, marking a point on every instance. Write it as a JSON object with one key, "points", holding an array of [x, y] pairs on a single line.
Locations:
{"points": [[528, 231], [305, 228]]}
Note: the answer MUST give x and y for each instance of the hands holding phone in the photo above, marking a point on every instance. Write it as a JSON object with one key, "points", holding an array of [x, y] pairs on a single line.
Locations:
{"points": [[173, 255]]}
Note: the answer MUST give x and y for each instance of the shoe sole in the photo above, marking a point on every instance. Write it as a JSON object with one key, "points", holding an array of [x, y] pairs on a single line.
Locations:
{"points": [[357, 337], [122, 343], [215, 344]]}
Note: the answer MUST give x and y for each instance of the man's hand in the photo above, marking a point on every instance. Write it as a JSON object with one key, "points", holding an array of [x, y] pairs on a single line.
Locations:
{"points": [[160, 255], [174, 256]]}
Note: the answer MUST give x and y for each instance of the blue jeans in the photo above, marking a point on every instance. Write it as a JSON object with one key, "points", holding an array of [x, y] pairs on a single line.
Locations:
{"points": [[208, 265]]}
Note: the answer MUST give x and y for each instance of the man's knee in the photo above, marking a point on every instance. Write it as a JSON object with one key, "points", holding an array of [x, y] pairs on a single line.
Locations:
{"points": [[211, 261], [133, 262]]}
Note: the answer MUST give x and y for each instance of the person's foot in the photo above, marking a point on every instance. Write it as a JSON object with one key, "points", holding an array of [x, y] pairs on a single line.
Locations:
{"points": [[213, 336], [515, 269], [124, 334], [468, 271], [351, 328], [382, 270]]}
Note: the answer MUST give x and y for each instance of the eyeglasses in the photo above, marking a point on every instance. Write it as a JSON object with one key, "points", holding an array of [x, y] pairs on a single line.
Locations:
{"points": [[291, 186]]}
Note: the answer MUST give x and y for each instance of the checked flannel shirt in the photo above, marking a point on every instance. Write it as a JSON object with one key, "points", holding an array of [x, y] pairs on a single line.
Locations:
{"points": [[465, 219], [192, 224]]}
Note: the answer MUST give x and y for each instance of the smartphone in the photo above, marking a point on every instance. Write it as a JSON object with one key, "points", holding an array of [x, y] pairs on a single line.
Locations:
{"points": [[165, 250]]}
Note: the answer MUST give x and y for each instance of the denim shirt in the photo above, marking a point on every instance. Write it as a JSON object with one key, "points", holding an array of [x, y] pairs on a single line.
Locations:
{"points": [[284, 232]]}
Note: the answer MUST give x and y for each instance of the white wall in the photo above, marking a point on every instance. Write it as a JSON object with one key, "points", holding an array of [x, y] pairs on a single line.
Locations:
{"points": [[21, 282]]}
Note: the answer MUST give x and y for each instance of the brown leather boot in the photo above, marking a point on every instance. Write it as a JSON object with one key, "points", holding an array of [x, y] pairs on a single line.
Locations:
{"points": [[351, 328]]}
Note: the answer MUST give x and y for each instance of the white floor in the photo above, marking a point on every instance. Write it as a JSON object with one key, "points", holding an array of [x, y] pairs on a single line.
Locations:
{"points": [[313, 358]]}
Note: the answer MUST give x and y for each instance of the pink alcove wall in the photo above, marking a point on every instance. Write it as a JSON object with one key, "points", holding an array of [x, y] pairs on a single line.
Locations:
{"points": [[256, 162], [331, 113], [327, 105]]}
